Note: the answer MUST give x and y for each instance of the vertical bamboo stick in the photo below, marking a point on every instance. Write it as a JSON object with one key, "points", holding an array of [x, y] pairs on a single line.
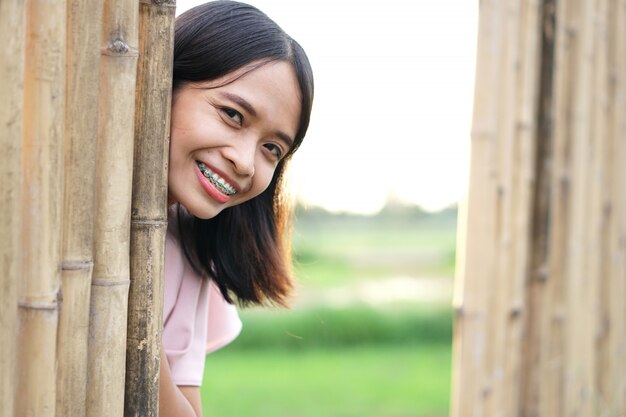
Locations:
{"points": [[84, 22], [610, 123], [149, 206], [42, 158], [12, 26], [600, 218], [473, 277], [617, 230], [554, 318], [522, 182], [109, 292], [504, 165], [509, 162], [581, 288], [531, 381]]}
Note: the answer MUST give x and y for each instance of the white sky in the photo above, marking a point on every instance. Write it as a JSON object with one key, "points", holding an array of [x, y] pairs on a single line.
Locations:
{"points": [[393, 96]]}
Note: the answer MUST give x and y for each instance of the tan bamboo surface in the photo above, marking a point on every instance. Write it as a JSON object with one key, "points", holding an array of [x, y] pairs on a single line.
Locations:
{"points": [[12, 23], [540, 328], [149, 206], [616, 251], [42, 162], [84, 22], [502, 169], [111, 275]]}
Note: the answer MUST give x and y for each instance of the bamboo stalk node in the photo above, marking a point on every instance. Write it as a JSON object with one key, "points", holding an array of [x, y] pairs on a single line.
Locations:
{"points": [[119, 48], [541, 274], [516, 312], [149, 222], [524, 126], [52, 306], [459, 310], [142, 344], [159, 3], [108, 283], [76, 265]]}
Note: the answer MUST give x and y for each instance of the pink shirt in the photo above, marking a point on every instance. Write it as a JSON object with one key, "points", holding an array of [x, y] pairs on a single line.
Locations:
{"points": [[196, 318]]}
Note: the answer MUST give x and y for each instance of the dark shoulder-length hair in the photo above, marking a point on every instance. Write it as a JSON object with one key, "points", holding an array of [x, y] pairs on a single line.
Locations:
{"points": [[245, 248]]}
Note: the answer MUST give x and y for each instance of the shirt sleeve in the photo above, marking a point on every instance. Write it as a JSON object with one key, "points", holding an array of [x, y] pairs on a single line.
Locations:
{"points": [[196, 318], [224, 324]]}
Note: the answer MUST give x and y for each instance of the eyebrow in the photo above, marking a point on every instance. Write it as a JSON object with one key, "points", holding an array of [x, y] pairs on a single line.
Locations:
{"points": [[248, 107], [285, 138], [240, 101]]}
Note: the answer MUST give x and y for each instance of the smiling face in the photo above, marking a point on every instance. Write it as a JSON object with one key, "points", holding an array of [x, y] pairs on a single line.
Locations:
{"points": [[229, 134]]}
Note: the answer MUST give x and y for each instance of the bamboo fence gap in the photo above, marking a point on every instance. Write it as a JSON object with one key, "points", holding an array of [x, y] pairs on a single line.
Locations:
{"points": [[539, 329], [531, 380], [12, 23], [554, 319], [44, 79], [84, 22], [149, 206], [111, 275]]}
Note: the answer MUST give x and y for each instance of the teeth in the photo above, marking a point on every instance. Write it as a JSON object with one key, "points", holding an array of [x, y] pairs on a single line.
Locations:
{"points": [[218, 181]]}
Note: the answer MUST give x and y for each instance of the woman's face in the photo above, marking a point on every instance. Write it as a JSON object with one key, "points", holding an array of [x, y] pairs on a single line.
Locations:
{"points": [[227, 136]]}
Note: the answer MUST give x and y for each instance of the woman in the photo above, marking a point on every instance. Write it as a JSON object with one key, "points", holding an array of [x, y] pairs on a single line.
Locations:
{"points": [[242, 96]]}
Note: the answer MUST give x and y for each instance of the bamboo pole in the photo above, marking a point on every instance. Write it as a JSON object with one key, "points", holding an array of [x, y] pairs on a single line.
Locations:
{"points": [[149, 206], [616, 379], [608, 173], [600, 219], [12, 30], [580, 294], [554, 319], [555, 303], [503, 163], [110, 281], [42, 158], [472, 281], [531, 384], [497, 256], [84, 22], [522, 180]]}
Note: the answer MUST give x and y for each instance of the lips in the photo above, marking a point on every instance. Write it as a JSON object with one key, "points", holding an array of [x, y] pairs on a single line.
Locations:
{"points": [[220, 183], [214, 185]]}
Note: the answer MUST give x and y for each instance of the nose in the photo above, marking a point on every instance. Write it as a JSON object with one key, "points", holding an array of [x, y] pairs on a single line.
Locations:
{"points": [[242, 155]]}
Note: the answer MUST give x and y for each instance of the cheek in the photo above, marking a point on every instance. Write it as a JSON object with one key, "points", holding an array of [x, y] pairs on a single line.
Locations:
{"points": [[176, 136], [182, 143], [262, 180]]}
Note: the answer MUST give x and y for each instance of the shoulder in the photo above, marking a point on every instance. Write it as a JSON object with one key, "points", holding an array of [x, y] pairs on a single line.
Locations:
{"points": [[181, 283]]}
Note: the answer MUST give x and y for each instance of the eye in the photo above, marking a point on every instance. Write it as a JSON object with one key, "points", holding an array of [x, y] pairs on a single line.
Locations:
{"points": [[233, 115], [275, 149]]}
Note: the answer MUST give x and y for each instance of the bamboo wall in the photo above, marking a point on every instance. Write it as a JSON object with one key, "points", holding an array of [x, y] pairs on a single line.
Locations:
{"points": [[86, 87], [540, 326]]}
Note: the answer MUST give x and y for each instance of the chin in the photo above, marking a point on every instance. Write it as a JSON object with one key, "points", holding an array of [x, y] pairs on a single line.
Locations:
{"points": [[204, 213], [199, 209]]}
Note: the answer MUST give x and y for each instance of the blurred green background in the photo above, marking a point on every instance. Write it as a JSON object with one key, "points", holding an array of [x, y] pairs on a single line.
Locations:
{"points": [[370, 330]]}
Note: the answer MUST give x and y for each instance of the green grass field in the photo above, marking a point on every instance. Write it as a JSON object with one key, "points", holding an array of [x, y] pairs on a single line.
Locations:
{"points": [[404, 381], [330, 250], [390, 359]]}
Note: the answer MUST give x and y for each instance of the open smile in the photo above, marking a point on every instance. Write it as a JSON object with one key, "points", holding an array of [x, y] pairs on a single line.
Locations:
{"points": [[220, 183]]}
